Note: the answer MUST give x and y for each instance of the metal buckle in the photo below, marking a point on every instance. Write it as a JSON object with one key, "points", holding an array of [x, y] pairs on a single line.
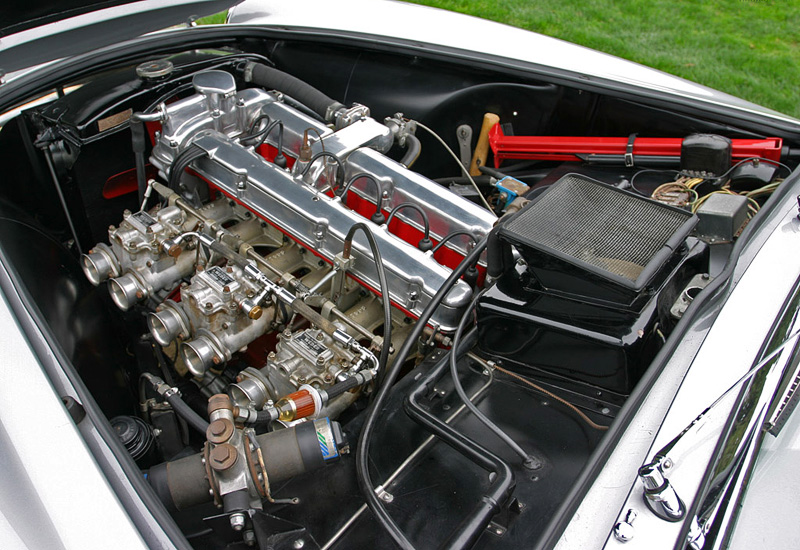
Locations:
{"points": [[629, 151]]}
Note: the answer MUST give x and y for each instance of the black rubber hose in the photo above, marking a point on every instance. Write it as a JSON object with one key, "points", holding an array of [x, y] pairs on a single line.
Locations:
{"points": [[377, 218], [362, 452], [425, 243], [482, 181], [139, 144], [503, 482], [499, 257], [262, 418], [173, 397], [341, 387], [384, 288], [187, 413], [529, 461], [413, 149], [492, 172], [485, 181], [454, 234], [273, 79]]}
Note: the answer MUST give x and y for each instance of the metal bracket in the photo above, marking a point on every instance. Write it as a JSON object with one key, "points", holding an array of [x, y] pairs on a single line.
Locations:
{"points": [[629, 151], [464, 137], [505, 518], [320, 231], [241, 182], [413, 293], [341, 265]]}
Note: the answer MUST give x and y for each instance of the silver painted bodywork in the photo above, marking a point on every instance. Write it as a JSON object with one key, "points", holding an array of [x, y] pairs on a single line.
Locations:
{"points": [[52, 493], [768, 518]]}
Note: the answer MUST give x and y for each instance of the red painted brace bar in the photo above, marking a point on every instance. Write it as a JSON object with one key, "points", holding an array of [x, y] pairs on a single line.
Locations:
{"points": [[566, 148]]}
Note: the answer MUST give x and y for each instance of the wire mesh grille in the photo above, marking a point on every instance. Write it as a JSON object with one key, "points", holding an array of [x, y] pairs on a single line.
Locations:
{"points": [[613, 231]]}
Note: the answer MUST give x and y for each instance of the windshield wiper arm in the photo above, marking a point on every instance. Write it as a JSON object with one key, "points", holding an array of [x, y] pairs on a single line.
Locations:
{"points": [[661, 497]]}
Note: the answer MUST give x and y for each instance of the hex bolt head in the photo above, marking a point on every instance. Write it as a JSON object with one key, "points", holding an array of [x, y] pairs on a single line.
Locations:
{"points": [[237, 521], [223, 457], [219, 431], [255, 313]]}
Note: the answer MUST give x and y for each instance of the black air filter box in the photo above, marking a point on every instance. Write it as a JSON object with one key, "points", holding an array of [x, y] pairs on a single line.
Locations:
{"points": [[603, 268], [588, 239]]}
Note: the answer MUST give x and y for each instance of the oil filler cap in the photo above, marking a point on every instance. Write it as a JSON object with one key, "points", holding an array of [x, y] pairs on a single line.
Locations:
{"points": [[158, 69]]}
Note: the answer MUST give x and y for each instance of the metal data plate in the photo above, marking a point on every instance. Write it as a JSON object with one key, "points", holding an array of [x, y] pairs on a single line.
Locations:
{"points": [[321, 224]]}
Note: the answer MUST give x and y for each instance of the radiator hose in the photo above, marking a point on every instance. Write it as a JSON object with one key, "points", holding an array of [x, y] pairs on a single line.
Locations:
{"points": [[274, 79]]}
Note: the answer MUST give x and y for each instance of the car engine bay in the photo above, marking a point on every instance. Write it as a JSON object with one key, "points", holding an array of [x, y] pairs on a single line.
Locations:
{"points": [[312, 327]]}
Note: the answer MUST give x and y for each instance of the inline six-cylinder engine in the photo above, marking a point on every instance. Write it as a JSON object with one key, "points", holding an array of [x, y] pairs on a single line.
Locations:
{"points": [[260, 241]]}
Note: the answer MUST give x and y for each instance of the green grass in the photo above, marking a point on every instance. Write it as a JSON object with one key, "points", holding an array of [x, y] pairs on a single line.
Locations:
{"points": [[216, 19], [747, 48]]}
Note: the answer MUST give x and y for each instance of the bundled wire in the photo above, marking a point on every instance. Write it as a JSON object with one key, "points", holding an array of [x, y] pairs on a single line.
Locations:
{"points": [[181, 163], [677, 193], [682, 192]]}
